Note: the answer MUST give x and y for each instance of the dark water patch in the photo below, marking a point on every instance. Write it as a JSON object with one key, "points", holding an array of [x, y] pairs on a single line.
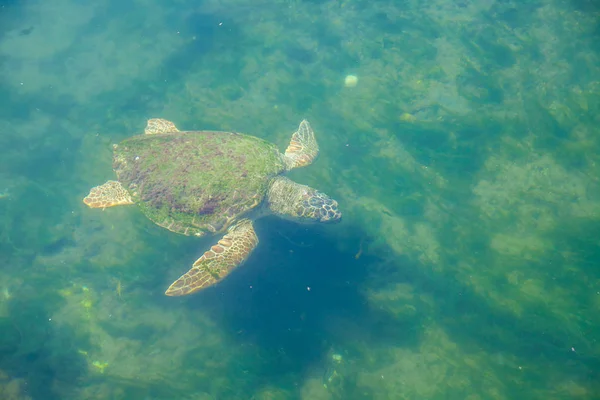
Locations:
{"points": [[24, 107], [577, 241], [479, 87], [10, 3], [487, 326], [33, 221], [207, 34], [473, 321], [10, 12], [140, 332], [292, 300], [57, 245], [454, 148], [38, 350], [300, 54], [516, 16], [541, 120], [588, 6]]}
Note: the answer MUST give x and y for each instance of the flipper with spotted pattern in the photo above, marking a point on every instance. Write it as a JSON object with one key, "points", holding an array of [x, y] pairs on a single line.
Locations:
{"points": [[159, 125], [110, 194], [215, 264]]}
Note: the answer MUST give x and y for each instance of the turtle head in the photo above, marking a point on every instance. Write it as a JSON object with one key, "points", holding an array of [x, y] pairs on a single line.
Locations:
{"points": [[301, 203], [315, 206]]}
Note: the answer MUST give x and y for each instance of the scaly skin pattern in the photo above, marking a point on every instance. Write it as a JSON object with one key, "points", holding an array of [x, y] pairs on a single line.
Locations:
{"points": [[215, 264], [196, 183], [159, 125], [109, 194], [290, 200]]}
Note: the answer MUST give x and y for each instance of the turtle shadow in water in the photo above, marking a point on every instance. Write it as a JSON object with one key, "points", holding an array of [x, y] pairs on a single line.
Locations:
{"points": [[296, 298]]}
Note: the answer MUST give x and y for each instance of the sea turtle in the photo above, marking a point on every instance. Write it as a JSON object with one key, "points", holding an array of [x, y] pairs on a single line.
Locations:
{"points": [[206, 182]]}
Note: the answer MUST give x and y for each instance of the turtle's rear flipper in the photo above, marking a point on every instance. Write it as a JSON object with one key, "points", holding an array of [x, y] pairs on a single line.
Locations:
{"points": [[108, 195], [303, 148], [214, 265]]}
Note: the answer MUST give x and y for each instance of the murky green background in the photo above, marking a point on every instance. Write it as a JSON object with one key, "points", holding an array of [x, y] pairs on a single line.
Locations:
{"points": [[466, 162]]}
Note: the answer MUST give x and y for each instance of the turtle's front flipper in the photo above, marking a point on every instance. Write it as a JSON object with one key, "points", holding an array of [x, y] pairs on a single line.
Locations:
{"points": [[159, 125], [108, 195], [303, 148], [230, 252]]}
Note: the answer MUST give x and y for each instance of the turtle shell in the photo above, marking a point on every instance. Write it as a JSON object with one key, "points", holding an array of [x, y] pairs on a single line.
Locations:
{"points": [[196, 182]]}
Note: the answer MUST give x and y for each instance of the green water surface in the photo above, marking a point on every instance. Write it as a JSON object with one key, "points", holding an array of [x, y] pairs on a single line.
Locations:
{"points": [[465, 156]]}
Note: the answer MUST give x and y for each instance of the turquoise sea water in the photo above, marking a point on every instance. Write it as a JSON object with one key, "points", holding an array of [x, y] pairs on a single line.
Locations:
{"points": [[466, 161]]}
